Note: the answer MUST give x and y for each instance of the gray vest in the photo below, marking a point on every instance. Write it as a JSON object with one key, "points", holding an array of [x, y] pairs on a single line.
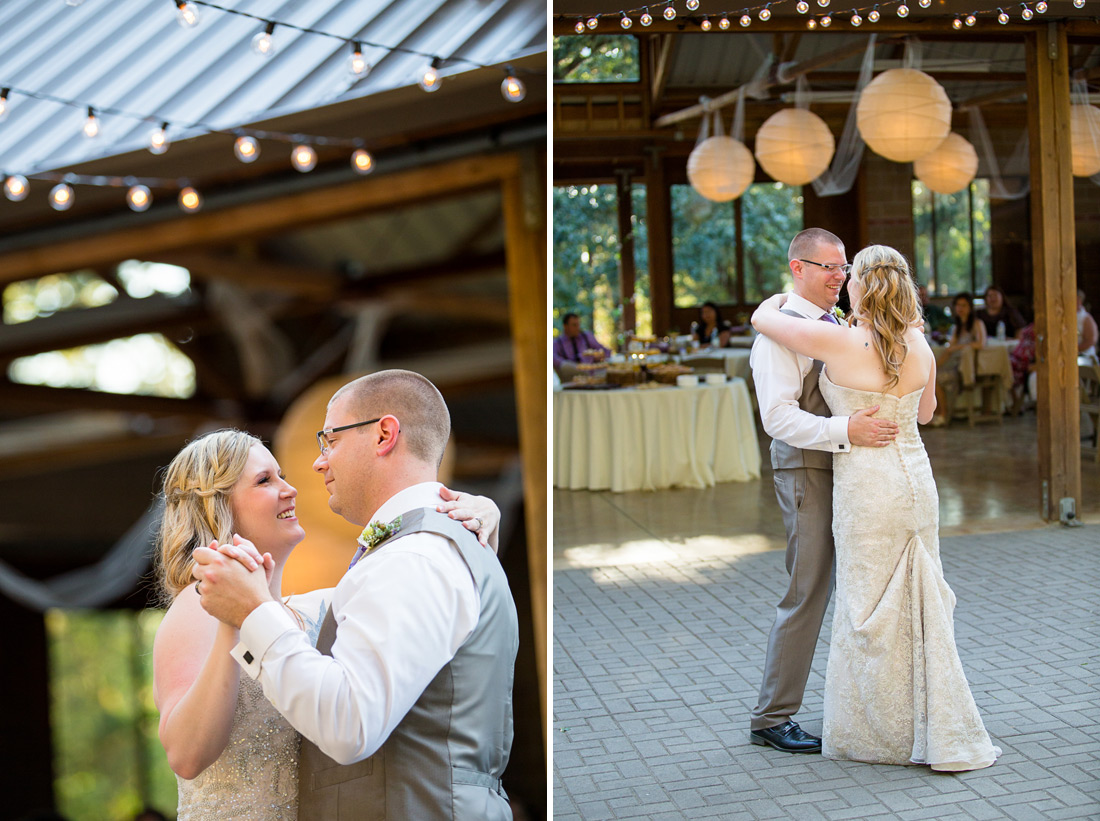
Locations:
{"points": [[446, 757], [811, 401]]}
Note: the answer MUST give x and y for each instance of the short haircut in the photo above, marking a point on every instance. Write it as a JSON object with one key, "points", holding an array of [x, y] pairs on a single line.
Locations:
{"points": [[413, 399], [805, 242], [565, 319]]}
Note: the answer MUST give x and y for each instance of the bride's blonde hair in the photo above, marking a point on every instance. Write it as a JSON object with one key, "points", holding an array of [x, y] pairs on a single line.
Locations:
{"points": [[198, 484], [889, 304]]}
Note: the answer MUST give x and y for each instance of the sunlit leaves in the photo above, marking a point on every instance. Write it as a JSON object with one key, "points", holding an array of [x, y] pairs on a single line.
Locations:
{"points": [[596, 58]]}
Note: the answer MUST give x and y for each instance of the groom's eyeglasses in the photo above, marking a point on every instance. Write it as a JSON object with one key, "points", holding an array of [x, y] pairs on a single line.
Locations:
{"points": [[324, 440], [845, 269]]}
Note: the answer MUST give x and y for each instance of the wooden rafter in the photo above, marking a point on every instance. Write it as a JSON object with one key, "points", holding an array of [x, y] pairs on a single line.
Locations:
{"points": [[271, 275], [662, 67]]}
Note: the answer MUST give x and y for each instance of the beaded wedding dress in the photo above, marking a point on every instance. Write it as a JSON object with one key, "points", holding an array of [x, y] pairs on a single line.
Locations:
{"points": [[895, 691]]}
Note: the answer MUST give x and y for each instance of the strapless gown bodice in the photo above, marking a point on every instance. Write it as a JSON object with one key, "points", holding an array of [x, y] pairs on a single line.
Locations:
{"points": [[895, 690]]}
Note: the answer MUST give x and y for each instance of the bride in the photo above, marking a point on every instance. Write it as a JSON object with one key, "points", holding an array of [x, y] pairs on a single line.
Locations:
{"points": [[233, 754], [895, 691]]}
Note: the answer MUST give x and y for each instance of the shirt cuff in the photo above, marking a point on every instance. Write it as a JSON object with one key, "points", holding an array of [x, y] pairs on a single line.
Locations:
{"points": [[259, 631], [838, 434]]}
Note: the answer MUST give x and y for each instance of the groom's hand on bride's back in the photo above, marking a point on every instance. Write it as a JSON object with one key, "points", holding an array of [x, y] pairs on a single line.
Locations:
{"points": [[867, 432]]}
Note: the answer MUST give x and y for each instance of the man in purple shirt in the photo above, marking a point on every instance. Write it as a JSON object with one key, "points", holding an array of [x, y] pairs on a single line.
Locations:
{"points": [[573, 342]]}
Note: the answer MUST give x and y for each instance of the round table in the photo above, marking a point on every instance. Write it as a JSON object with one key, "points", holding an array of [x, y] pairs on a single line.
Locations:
{"points": [[631, 439]]}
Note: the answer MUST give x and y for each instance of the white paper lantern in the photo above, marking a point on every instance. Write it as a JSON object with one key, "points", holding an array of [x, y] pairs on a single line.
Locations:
{"points": [[794, 146], [1084, 139], [721, 168], [950, 167], [903, 114]]}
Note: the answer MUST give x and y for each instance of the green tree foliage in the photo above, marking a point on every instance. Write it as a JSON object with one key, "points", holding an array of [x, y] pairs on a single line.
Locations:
{"points": [[952, 238], [771, 214], [596, 58], [108, 761], [586, 257]]}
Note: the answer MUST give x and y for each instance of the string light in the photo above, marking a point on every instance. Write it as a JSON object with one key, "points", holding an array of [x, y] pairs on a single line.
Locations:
{"points": [[513, 87], [957, 23], [91, 125], [924, 3], [357, 65], [646, 18], [579, 27], [263, 43], [823, 3], [593, 22], [1078, 4], [158, 139], [4, 107], [247, 149], [187, 14], [705, 25], [857, 21], [765, 13], [1041, 6], [802, 7], [1027, 13], [693, 5], [138, 198], [429, 78], [189, 200], [16, 188], [971, 19], [811, 24], [303, 158], [1002, 18], [670, 12], [826, 21], [903, 10], [626, 22], [746, 21], [874, 15], [362, 161], [724, 23], [61, 197]]}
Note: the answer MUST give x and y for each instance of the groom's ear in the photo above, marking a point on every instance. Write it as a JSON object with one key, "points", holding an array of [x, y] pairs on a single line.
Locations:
{"points": [[388, 432]]}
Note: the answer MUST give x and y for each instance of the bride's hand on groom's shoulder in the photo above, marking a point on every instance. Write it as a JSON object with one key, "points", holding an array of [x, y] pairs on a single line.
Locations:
{"points": [[478, 514]]}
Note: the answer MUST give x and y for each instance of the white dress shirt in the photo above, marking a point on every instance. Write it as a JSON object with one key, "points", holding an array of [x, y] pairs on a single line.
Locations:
{"points": [[778, 374], [401, 615]]}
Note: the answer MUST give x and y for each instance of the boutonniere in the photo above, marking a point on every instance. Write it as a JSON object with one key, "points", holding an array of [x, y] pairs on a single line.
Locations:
{"points": [[839, 314], [375, 533]]}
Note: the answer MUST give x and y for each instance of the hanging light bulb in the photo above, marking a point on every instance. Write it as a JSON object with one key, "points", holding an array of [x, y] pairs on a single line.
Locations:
{"points": [[4, 106], [626, 22], [513, 88], [957, 23], [16, 188], [593, 22], [1078, 4], [924, 3], [263, 43], [903, 10], [802, 7], [724, 23], [874, 15], [1002, 18], [765, 13], [826, 21], [705, 25], [1041, 6], [138, 198], [811, 24], [189, 200], [429, 78], [669, 12], [187, 14], [856, 21], [745, 21], [1027, 13], [823, 3], [357, 64], [362, 161], [971, 19], [693, 5], [91, 125], [61, 197], [246, 149], [646, 18], [303, 158], [158, 139], [579, 27]]}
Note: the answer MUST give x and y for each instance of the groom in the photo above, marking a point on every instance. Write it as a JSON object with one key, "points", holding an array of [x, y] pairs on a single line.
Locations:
{"points": [[406, 703], [804, 439]]}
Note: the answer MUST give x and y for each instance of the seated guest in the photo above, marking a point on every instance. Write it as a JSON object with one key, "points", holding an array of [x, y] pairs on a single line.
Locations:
{"points": [[1022, 358], [1086, 329], [710, 328], [997, 311], [575, 345], [967, 332], [937, 322]]}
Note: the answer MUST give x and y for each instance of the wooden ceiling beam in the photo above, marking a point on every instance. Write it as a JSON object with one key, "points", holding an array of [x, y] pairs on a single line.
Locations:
{"points": [[270, 275], [662, 68], [32, 399]]}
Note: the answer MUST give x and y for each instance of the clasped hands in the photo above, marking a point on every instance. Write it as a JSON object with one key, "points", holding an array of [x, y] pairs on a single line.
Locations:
{"points": [[233, 579]]}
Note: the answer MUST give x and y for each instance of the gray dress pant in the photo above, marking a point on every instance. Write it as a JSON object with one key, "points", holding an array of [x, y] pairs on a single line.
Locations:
{"points": [[806, 500]]}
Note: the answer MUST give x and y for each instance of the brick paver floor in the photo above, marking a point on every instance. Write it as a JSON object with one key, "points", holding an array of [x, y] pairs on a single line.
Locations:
{"points": [[657, 664]]}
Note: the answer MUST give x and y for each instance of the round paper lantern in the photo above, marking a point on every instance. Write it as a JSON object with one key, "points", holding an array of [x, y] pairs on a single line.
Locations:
{"points": [[903, 114], [721, 168], [1084, 139], [794, 146], [950, 167]]}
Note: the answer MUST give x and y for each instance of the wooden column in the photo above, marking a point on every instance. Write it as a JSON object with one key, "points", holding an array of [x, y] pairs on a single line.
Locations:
{"points": [[1052, 239], [659, 223], [626, 253], [524, 201]]}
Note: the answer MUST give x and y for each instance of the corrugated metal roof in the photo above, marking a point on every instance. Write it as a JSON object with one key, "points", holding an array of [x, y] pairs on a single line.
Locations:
{"points": [[132, 55]]}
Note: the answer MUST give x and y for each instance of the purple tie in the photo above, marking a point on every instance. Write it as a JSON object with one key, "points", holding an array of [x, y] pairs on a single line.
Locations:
{"points": [[828, 317]]}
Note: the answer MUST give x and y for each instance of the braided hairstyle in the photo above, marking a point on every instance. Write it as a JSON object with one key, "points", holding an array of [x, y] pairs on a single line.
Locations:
{"points": [[889, 304], [198, 484]]}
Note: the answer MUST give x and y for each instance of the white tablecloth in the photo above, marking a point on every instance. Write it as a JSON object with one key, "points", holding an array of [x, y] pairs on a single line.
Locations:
{"points": [[735, 360], [632, 439]]}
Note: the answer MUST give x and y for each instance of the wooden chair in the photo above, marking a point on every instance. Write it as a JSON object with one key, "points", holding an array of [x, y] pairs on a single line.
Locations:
{"points": [[706, 364], [1088, 374]]}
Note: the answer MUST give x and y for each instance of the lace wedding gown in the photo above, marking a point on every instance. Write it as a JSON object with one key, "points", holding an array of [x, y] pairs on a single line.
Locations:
{"points": [[895, 691]]}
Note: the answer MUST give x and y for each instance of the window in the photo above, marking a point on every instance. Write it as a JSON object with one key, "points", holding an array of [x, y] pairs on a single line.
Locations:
{"points": [[952, 242], [597, 58], [712, 242]]}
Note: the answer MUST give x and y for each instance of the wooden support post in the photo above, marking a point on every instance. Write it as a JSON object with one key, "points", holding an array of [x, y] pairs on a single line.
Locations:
{"points": [[626, 252], [524, 203], [659, 225], [1052, 241]]}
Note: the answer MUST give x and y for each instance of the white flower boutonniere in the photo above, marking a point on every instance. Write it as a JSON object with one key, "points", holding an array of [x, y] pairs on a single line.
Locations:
{"points": [[838, 313], [375, 533]]}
